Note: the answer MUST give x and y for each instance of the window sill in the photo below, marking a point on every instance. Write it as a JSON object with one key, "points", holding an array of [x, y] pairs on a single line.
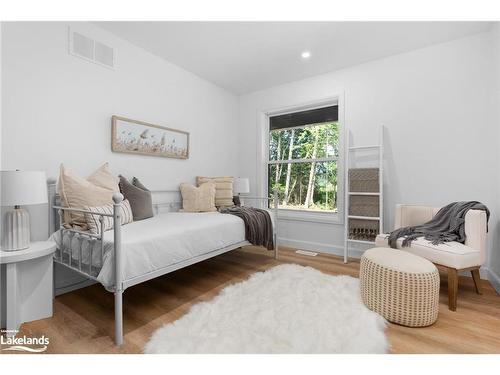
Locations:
{"points": [[313, 217]]}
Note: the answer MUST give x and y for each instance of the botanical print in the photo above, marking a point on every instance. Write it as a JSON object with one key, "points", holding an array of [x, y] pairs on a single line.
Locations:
{"points": [[133, 136]]}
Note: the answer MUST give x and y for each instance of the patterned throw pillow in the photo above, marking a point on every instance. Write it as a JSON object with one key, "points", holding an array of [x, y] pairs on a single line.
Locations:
{"points": [[94, 223], [223, 189], [198, 199]]}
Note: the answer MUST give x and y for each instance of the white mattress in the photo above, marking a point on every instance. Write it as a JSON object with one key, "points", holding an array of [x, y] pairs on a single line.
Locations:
{"points": [[163, 240]]}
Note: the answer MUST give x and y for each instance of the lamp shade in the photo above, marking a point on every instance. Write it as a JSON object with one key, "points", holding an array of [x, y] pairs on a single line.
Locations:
{"points": [[23, 188], [241, 185]]}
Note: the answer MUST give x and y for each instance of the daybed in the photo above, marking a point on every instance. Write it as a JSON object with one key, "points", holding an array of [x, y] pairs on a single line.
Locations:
{"points": [[143, 250]]}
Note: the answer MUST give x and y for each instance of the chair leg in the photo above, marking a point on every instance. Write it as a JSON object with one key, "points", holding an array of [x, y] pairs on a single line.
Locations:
{"points": [[477, 280], [452, 288]]}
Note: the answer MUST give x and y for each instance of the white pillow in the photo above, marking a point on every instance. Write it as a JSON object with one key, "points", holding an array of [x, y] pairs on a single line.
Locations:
{"points": [[198, 199]]}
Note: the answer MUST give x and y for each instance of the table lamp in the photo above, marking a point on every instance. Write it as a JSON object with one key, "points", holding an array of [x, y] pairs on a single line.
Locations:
{"points": [[241, 185], [20, 188]]}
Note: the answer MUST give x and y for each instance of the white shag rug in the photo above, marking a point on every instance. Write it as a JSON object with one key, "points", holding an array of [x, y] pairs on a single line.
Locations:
{"points": [[286, 309]]}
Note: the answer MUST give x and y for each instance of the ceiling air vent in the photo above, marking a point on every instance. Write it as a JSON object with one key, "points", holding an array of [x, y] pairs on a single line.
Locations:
{"points": [[90, 49]]}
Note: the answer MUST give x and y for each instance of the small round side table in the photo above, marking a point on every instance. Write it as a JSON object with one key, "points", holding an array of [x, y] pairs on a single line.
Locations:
{"points": [[27, 287]]}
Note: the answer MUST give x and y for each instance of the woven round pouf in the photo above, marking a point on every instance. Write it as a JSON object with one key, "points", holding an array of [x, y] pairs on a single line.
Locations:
{"points": [[402, 287]]}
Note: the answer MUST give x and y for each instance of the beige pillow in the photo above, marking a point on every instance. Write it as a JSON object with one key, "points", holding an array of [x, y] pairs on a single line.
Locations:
{"points": [[94, 223], [77, 192], [223, 189], [198, 199], [104, 178]]}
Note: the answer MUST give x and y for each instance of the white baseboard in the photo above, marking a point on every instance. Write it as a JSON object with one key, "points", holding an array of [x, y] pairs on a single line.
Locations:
{"points": [[320, 247], [70, 284], [72, 287], [486, 273], [493, 278], [67, 280]]}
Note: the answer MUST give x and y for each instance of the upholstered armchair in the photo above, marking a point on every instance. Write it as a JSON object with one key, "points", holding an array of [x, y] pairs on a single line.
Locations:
{"points": [[454, 256]]}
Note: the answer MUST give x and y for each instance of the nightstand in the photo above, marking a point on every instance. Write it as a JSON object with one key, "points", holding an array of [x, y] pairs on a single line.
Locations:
{"points": [[26, 285]]}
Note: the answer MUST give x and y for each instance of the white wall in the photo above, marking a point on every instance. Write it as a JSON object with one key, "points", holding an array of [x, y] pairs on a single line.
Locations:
{"points": [[57, 109], [437, 105], [494, 256], [3, 308], [1, 89]]}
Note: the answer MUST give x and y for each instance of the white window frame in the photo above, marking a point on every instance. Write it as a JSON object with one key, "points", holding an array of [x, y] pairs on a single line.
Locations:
{"points": [[264, 162]]}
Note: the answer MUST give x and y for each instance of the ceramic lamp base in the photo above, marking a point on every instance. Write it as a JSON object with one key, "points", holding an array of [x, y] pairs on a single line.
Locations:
{"points": [[16, 230]]}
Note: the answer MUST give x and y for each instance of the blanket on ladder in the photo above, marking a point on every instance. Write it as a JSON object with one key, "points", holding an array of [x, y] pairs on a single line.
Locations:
{"points": [[258, 224], [448, 225]]}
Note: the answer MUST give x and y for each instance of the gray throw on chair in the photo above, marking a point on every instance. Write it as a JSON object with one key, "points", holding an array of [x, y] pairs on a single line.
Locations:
{"points": [[448, 225]]}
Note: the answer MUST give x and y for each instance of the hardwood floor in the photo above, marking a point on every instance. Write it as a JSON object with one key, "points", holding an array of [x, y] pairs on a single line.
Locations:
{"points": [[83, 319]]}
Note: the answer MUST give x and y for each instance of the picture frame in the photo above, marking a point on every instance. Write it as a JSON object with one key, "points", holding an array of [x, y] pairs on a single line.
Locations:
{"points": [[142, 138]]}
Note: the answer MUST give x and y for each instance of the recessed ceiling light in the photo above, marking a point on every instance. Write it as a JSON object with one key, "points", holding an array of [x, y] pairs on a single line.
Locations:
{"points": [[306, 54]]}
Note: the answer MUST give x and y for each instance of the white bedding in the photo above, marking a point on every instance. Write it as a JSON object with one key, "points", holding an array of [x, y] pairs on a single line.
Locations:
{"points": [[160, 241]]}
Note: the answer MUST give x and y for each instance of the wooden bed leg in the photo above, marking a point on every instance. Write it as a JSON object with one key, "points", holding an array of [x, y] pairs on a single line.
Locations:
{"points": [[452, 288], [118, 318], [477, 280]]}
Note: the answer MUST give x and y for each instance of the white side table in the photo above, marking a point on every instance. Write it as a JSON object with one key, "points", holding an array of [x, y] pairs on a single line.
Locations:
{"points": [[26, 285]]}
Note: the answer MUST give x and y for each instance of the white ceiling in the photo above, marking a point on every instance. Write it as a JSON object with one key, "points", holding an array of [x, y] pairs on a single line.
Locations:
{"points": [[248, 56]]}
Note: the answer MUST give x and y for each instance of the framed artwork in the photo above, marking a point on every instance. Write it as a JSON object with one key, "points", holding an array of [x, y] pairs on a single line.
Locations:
{"points": [[138, 137]]}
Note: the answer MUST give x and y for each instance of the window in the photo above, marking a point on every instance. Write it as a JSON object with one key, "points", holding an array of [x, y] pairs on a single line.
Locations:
{"points": [[303, 156]]}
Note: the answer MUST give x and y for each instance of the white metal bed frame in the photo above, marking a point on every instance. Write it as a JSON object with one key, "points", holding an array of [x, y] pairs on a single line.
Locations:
{"points": [[55, 221]]}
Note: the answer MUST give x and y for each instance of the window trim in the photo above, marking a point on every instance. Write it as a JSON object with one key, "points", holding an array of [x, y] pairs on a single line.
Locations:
{"points": [[263, 160], [306, 160]]}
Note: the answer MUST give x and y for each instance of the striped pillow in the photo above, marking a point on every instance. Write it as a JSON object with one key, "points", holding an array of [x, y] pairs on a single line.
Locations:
{"points": [[223, 189], [94, 224]]}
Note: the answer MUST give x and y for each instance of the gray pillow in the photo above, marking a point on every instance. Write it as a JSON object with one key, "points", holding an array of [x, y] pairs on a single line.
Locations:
{"points": [[136, 182], [139, 198]]}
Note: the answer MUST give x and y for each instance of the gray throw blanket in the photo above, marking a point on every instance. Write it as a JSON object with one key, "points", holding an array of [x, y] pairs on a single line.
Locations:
{"points": [[258, 224], [448, 225]]}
